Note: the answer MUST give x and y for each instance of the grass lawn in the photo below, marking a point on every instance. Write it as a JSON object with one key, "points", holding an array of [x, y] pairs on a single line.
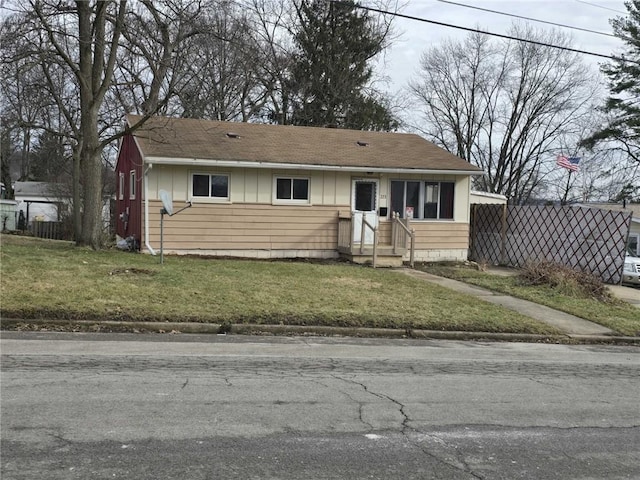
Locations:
{"points": [[55, 280], [616, 314]]}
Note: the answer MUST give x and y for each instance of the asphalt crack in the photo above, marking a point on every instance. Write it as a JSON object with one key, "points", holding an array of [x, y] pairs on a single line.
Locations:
{"points": [[461, 465]]}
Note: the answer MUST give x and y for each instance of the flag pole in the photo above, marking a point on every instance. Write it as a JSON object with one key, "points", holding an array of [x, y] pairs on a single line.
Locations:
{"points": [[566, 190]]}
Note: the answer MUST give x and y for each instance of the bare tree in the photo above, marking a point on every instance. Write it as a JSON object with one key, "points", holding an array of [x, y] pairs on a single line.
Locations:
{"points": [[23, 98], [94, 57], [29, 108], [603, 172], [503, 105], [221, 77], [272, 22]]}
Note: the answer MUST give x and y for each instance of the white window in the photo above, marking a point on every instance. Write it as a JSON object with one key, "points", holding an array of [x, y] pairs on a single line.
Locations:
{"points": [[427, 200], [291, 190], [132, 184], [121, 186], [212, 186]]}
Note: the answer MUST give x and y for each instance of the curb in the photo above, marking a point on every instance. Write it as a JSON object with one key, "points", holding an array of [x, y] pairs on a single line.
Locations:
{"points": [[300, 330]]}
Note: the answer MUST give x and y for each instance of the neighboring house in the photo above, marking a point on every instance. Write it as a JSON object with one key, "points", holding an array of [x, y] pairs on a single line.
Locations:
{"points": [[7, 211], [634, 230], [485, 198], [40, 201], [271, 191], [47, 202]]}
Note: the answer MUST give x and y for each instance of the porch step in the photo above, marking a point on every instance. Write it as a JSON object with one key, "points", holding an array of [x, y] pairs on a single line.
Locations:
{"points": [[384, 258]]}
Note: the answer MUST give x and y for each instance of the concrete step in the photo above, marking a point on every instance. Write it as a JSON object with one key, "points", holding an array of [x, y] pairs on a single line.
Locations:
{"points": [[385, 257]]}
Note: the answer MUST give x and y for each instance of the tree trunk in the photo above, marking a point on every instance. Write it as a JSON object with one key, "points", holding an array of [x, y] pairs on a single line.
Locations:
{"points": [[77, 195], [91, 176]]}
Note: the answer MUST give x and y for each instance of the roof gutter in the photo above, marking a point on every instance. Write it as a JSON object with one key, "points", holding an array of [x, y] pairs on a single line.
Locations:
{"points": [[196, 162]]}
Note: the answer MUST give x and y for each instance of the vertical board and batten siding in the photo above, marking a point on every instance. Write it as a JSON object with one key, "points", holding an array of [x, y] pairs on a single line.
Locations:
{"points": [[251, 185], [129, 158]]}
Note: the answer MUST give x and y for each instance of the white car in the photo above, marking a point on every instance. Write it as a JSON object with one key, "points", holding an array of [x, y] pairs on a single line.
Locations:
{"points": [[631, 273]]}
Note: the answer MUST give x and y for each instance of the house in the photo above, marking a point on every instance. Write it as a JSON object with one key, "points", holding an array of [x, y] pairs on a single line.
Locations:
{"points": [[272, 191], [41, 201]]}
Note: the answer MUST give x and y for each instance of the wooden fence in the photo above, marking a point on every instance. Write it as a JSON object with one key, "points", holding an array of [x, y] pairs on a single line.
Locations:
{"points": [[586, 239], [50, 230]]}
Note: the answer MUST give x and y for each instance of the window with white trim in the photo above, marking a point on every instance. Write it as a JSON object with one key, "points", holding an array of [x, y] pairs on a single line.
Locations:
{"points": [[210, 185], [132, 184], [291, 189], [428, 200], [121, 186]]}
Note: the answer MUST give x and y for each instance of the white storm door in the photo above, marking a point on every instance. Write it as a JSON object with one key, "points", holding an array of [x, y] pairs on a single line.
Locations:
{"points": [[364, 204]]}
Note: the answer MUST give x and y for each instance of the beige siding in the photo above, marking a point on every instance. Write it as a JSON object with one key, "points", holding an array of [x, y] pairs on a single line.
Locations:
{"points": [[329, 188], [249, 221], [441, 235], [461, 207], [432, 234], [384, 233], [246, 226], [251, 185]]}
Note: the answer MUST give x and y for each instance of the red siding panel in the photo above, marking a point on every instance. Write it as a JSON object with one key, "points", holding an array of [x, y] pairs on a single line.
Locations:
{"points": [[129, 210]]}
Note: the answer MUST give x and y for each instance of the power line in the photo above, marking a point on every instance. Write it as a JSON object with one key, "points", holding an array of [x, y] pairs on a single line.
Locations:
{"points": [[527, 18], [484, 32], [600, 6]]}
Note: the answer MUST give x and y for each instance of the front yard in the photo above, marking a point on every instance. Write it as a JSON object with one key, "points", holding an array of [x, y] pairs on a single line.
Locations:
{"points": [[55, 280]]}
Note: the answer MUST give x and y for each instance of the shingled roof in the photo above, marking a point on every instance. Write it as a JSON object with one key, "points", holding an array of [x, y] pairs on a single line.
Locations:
{"points": [[185, 140]]}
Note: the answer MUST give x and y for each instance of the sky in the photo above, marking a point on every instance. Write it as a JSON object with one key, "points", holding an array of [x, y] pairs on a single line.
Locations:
{"points": [[401, 60]]}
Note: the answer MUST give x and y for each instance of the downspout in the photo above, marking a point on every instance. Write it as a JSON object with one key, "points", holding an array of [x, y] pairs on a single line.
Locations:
{"points": [[146, 210]]}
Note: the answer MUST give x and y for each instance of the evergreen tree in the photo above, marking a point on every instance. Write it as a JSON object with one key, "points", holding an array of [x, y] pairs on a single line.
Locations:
{"points": [[332, 70], [623, 105], [49, 162]]}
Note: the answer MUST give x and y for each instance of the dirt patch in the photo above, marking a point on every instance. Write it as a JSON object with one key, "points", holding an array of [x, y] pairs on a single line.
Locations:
{"points": [[132, 271]]}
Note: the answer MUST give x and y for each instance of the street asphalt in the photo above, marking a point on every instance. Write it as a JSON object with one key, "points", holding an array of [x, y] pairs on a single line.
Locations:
{"points": [[79, 406]]}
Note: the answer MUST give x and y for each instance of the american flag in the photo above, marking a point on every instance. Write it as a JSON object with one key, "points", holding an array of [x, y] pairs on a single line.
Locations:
{"points": [[570, 163]]}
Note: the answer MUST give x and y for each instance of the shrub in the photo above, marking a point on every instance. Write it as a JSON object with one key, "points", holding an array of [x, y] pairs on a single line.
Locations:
{"points": [[566, 280]]}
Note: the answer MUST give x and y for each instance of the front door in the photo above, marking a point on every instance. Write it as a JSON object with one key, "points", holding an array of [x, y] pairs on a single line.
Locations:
{"points": [[364, 204]]}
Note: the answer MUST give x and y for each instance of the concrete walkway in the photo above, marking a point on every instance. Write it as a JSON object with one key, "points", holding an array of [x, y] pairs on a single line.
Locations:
{"points": [[569, 324], [628, 294]]}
